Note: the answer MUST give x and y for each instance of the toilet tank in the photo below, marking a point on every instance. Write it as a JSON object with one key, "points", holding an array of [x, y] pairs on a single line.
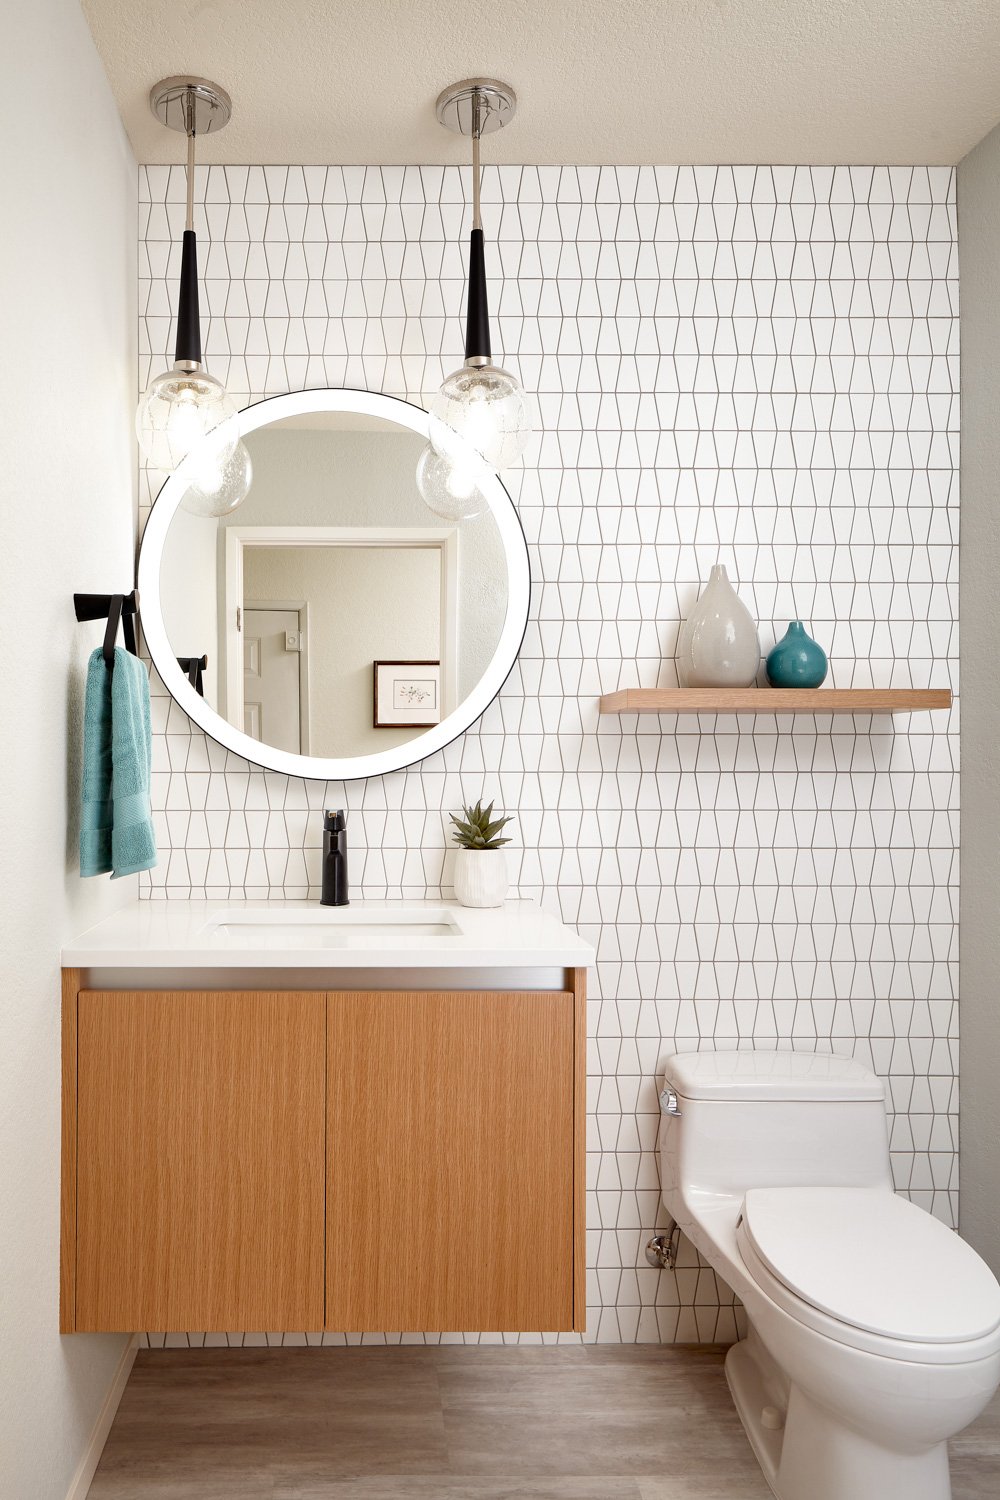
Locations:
{"points": [[736, 1120]]}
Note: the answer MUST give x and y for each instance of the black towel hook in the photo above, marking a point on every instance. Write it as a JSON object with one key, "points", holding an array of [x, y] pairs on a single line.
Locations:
{"points": [[194, 666], [119, 609], [111, 634]]}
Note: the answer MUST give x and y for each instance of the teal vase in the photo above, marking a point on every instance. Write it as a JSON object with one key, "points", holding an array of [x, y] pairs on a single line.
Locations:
{"points": [[797, 661]]}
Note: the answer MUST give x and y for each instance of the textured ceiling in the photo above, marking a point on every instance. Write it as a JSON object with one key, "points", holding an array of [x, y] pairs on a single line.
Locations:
{"points": [[624, 81]]}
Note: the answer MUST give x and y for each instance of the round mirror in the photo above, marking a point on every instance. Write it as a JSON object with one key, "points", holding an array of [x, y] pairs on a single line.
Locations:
{"points": [[331, 625]]}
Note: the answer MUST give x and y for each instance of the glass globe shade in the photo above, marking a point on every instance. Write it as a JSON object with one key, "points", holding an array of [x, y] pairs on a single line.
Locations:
{"points": [[220, 483], [178, 410], [487, 409], [450, 490]]}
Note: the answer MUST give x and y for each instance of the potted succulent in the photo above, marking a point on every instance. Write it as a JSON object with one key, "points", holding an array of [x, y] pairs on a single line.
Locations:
{"points": [[480, 866]]}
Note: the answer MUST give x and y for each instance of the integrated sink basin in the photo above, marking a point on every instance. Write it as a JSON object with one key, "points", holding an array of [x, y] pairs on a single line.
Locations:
{"points": [[363, 939], [329, 927]]}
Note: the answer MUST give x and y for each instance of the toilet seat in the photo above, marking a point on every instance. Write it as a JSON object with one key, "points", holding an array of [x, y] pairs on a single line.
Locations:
{"points": [[870, 1269]]}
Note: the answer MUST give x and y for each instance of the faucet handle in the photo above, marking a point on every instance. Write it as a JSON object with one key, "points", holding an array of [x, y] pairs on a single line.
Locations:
{"points": [[335, 822]]}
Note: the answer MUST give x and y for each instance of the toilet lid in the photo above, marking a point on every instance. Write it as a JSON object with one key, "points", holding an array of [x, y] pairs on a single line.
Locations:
{"points": [[873, 1261]]}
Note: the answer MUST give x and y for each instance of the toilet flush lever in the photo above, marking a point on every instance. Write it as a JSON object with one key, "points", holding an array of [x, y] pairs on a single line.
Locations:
{"points": [[668, 1102]]}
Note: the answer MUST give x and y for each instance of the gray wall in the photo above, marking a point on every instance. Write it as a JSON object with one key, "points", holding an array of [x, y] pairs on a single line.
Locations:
{"points": [[366, 604], [67, 499], [366, 478], [979, 258]]}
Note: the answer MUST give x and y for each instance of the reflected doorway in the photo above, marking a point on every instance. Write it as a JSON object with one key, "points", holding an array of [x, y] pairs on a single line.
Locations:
{"points": [[276, 676]]}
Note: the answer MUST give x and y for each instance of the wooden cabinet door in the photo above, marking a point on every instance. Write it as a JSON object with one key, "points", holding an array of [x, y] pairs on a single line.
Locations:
{"points": [[450, 1161], [200, 1160]]}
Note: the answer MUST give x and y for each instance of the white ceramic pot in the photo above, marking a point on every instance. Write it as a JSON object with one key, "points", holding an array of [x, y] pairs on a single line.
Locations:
{"points": [[718, 645], [481, 877]]}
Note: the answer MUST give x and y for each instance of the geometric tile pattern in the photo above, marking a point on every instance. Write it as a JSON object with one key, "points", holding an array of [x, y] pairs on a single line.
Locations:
{"points": [[755, 365]]}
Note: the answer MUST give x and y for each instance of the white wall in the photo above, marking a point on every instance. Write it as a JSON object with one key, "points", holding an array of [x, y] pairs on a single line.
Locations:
{"points": [[756, 365], [189, 577], [979, 244], [67, 388]]}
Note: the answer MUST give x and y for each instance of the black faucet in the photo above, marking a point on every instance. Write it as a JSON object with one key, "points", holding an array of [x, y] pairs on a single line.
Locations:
{"points": [[334, 860]]}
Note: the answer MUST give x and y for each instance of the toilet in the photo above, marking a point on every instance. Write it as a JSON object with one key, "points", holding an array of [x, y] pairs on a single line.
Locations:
{"points": [[873, 1330]]}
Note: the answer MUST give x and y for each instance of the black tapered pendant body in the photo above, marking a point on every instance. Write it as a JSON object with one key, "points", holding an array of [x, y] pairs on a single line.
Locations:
{"points": [[477, 327], [188, 345]]}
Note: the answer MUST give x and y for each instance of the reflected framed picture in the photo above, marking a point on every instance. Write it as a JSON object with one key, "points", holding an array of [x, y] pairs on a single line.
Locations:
{"points": [[407, 694]]}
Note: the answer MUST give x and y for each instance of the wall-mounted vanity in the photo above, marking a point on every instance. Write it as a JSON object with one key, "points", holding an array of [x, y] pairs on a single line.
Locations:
{"points": [[279, 1117], [285, 1117]]}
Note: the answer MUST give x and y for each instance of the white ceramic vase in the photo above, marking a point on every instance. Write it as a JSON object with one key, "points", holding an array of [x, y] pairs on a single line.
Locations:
{"points": [[718, 645], [481, 877]]}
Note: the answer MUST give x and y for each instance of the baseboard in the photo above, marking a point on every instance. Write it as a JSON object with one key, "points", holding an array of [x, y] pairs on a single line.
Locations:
{"points": [[86, 1468]]}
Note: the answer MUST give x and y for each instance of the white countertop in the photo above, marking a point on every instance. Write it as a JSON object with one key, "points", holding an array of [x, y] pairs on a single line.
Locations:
{"points": [[305, 935]]}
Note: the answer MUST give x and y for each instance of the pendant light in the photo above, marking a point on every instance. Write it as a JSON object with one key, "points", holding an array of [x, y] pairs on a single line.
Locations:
{"points": [[450, 487], [220, 483], [480, 419], [184, 404]]}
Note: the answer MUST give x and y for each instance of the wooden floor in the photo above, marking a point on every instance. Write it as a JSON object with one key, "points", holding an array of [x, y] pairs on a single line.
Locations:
{"points": [[558, 1423]]}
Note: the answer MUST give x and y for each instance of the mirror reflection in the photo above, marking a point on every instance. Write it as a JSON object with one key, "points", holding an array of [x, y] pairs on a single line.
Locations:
{"points": [[339, 615]]}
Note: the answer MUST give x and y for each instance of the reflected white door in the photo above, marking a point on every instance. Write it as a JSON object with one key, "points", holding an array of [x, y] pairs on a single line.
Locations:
{"points": [[271, 702]]}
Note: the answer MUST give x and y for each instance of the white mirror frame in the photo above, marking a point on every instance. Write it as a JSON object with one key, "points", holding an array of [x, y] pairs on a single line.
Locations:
{"points": [[315, 767]]}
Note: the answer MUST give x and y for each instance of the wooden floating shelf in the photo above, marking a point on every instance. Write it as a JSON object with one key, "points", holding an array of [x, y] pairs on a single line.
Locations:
{"points": [[774, 700]]}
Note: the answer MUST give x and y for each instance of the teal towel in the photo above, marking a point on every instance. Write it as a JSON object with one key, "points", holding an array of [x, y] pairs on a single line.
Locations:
{"points": [[95, 816], [133, 842], [117, 825]]}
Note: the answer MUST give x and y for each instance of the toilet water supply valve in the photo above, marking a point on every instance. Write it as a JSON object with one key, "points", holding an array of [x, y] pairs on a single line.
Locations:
{"points": [[661, 1251]]}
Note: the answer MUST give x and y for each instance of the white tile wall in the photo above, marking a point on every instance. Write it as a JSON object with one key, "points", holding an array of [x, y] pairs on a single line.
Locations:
{"points": [[757, 365]]}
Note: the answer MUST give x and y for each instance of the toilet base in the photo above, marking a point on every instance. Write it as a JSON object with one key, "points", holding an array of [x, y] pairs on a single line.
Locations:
{"points": [[814, 1456]]}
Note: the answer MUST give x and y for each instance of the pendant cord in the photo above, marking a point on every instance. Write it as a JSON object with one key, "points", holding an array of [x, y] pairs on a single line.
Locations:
{"points": [[477, 130], [189, 127]]}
